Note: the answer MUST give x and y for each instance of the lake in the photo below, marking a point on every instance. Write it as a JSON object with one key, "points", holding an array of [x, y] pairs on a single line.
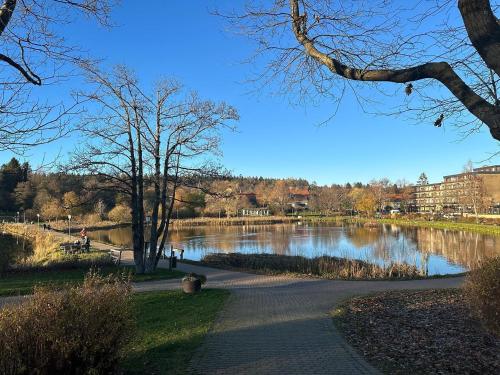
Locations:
{"points": [[435, 251]]}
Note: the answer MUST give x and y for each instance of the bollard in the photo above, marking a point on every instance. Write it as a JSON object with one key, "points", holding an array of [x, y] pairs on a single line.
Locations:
{"points": [[170, 259]]}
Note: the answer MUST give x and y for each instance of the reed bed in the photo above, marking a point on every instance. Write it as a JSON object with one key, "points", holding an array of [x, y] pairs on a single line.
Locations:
{"points": [[247, 220], [323, 266]]}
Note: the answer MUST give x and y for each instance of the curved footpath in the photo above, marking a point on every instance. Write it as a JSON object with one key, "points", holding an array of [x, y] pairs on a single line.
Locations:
{"points": [[280, 324]]}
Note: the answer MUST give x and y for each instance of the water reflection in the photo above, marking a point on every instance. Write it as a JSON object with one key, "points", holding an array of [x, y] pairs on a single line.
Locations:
{"points": [[434, 250]]}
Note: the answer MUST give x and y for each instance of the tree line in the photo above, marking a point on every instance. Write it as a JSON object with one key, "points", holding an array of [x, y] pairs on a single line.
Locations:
{"points": [[91, 199]]}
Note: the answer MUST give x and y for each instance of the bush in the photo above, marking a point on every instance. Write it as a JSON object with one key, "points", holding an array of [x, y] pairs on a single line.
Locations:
{"points": [[120, 214], [482, 288], [78, 330]]}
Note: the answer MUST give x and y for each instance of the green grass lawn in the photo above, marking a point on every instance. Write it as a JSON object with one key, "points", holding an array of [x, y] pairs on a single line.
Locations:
{"points": [[23, 282], [170, 326]]}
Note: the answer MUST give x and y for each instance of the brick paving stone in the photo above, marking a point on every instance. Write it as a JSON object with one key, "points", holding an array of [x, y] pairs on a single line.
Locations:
{"points": [[278, 324], [281, 324]]}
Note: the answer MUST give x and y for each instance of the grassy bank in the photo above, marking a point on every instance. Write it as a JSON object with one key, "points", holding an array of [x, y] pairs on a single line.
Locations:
{"points": [[323, 267], [170, 326], [23, 282], [437, 224], [418, 332]]}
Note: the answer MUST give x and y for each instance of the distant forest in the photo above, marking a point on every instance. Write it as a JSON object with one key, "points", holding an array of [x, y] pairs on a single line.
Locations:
{"points": [[86, 197]]}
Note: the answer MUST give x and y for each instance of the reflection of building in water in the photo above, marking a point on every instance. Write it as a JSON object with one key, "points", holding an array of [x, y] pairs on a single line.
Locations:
{"points": [[460, 247], [362, 237]]}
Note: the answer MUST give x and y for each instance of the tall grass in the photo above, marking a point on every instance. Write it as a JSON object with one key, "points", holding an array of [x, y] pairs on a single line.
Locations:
{"points": [[323, 266], [46, 254], [245, 220]]}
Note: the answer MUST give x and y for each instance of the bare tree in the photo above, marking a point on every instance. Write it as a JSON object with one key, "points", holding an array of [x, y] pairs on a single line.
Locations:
{"points": [[379, 190], [279, 196], [471, 194], [34, 52], [326, 47], [328, 199], [138, 140]]}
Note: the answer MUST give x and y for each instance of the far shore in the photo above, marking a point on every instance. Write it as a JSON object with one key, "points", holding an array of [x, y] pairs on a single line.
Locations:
{"points": [[483, 228]]}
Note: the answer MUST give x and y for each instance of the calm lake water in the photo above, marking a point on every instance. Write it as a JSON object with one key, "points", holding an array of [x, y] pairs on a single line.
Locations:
{"points": [[437, 251]]}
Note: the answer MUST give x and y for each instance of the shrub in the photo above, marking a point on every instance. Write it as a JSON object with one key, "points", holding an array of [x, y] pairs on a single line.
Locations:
{"points": [[482, 288], [77, 330], [120, 214], [92, 219]]}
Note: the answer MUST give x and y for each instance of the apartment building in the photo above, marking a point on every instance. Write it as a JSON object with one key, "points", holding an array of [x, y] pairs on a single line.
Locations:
{"points": [[463, 192]]}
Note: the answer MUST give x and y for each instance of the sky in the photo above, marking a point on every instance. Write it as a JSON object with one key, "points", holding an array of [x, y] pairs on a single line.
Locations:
{"points": [[180, 39]]}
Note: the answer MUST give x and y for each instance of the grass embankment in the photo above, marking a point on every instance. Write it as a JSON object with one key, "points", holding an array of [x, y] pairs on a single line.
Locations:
{"points": [[324, 267], [247, 220], [23, 282], [436, 224], [419, 332], [170, 326]]}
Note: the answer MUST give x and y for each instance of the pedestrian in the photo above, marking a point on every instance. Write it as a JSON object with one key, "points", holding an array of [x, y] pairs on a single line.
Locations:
{"points": [[86, 243]]}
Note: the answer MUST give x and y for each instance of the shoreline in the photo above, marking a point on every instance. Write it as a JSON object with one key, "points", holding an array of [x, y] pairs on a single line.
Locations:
{"points": [[488, 229]]}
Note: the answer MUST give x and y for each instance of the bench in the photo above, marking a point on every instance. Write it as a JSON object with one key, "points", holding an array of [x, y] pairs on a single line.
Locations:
{"points": [[116, 256], [70, 247]]}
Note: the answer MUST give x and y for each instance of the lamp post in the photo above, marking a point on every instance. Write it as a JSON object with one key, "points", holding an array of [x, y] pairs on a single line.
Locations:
{"points": [[38, 218], [69, 227]]}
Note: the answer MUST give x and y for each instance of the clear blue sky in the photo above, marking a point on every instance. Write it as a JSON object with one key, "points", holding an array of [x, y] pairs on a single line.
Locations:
{"points": [[180, 39]]}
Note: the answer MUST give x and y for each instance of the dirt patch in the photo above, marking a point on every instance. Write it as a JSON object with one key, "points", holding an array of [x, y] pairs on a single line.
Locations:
{"points": [[419, 332]]}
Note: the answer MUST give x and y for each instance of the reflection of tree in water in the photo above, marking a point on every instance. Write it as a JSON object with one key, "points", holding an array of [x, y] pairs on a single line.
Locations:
{"points": [[281, 238], [382, 244], [362, 237], [325, 240], [117, 236]]}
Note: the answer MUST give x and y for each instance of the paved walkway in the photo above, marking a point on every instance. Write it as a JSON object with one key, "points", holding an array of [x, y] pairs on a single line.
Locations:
{"points": [[281, 325], [278, 324]]}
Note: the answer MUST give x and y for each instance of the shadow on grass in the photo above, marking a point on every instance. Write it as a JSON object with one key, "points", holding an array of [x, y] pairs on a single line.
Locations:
{"points": [[171, 325]]}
